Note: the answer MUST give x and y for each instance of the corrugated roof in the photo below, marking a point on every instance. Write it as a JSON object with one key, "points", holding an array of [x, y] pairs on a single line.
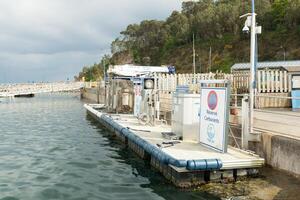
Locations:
{"points": [[274, 64]]}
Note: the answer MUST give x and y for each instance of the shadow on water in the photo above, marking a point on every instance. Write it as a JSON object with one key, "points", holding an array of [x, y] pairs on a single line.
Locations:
{"points": [[271, 184], [140, 167]]}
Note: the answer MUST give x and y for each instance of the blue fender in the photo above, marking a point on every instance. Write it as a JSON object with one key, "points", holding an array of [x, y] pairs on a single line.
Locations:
{"points": [[204, 164]]}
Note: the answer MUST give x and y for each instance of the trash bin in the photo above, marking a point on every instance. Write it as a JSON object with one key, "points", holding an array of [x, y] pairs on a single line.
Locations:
{"points": [[296, 91]]}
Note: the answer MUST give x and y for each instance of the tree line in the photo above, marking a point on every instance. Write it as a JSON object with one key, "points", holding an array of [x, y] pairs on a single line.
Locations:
{"points": [[215, 25]]}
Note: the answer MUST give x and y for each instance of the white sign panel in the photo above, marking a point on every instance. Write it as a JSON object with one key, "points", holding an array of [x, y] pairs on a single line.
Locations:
{"points": [[213, 118]]}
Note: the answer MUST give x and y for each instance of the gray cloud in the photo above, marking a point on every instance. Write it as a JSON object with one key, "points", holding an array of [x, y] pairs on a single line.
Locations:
{"points": [[48, 40]]}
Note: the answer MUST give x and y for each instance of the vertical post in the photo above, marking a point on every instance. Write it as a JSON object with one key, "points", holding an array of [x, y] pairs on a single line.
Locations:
{"points": [[105, 101], [285, 82], [209, 65], [252, 70], [194, 55], [280, 81], [276, 81], [118, 97], [157, 100], [245, 122], [259, 81], [264, 82], [199, 64]]}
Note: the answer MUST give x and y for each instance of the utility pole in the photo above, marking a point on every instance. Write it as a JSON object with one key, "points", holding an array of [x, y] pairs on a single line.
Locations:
{"points": [[251, 23], [284, 53], [194, 55], [209, 62], [252, 61], [199, 64]]}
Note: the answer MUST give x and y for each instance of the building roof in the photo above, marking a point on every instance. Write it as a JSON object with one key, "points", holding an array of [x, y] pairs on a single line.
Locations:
{"points": [[293, 65]]}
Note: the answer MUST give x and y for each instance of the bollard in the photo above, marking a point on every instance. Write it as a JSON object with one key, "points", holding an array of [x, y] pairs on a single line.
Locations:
{"points": [[245, 122]]}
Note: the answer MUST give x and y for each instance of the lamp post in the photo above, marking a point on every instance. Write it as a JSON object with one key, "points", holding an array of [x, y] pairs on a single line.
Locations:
{"points": [[251, 23]]}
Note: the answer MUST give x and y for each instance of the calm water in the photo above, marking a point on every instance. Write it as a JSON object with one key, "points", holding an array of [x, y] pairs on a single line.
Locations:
{"points": [[50, 149]]}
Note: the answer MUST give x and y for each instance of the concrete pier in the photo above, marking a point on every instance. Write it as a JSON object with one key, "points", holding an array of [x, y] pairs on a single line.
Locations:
{"points": [[235, 163], [279, 138]]}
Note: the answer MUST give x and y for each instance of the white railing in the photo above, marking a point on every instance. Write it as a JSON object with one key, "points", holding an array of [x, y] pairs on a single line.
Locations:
{"points": [[273, 81], [268, 81], [169, 82]]}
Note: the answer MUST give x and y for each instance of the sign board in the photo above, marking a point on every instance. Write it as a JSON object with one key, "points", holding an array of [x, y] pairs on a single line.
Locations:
{"points": [[214, 118]]}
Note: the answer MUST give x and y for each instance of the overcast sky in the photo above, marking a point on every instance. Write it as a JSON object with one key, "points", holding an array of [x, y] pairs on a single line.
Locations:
{"points": [[50, 40]]}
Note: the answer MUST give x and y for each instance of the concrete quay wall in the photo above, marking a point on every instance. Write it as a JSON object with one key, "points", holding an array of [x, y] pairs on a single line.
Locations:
{"points": [[280, 152], [279, 141]]}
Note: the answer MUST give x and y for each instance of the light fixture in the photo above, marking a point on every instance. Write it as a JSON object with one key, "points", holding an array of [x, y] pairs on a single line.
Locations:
{"points": [[148, 84]]}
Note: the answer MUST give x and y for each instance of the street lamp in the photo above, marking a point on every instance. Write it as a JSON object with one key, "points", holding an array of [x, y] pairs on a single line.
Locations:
{"points": [[250, 25]]}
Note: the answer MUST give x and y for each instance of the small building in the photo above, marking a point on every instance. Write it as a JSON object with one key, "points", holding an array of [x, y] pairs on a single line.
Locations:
{"points": [[280, 78], [291, 66]]}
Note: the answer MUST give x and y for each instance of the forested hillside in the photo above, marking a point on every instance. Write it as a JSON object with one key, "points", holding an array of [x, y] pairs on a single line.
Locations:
{"points": [[215, 25]]}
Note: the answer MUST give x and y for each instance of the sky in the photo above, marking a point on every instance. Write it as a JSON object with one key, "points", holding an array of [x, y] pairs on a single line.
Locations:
{"points": [[51, 40]]}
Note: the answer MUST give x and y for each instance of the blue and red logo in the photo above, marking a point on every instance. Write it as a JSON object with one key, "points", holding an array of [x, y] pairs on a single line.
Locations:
{"points": [[212, 100]]}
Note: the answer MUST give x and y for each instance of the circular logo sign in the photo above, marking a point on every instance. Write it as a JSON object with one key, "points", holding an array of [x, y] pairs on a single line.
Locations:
{"points": [[211, 133], [212, 100]]}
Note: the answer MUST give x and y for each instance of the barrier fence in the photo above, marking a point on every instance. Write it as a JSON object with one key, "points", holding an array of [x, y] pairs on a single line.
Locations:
{"points": [[273, 81], [268, 81], [169, 82]]}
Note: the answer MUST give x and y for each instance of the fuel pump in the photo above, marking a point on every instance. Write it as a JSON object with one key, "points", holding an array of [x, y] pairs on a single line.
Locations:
{"points": [[147, 114]]}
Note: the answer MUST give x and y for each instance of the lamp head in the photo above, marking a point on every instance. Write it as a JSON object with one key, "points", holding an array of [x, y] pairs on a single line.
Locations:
{"points": [[246, 29]]}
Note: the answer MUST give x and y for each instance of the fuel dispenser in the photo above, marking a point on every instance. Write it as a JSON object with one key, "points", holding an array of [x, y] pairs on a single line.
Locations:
{"points": [[144, 99]]}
